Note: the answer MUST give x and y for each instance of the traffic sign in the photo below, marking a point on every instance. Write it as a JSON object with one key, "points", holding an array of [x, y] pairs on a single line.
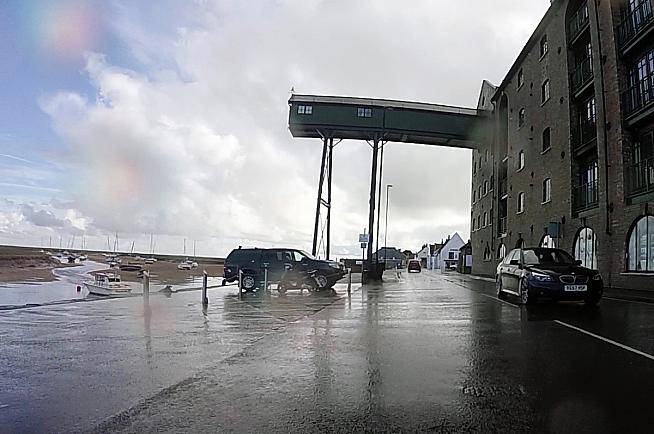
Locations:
{"points": [[364, 245], [364, 238]]}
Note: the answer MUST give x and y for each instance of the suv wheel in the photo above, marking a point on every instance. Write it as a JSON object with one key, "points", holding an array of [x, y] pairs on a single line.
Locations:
{"points": [[248, 282], [525, 296], [321, 281]]}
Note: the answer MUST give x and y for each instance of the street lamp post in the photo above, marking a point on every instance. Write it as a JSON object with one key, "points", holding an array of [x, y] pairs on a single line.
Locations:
{"points": [[388, 187]]}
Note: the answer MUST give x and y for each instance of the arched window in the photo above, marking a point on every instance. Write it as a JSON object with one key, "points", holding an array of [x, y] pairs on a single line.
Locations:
{"points": [[520, 203], [585, 248], [501, 251], [521, 117], [545, 91], [520, 244], [548, 242], [547, 140], [640, 253]]}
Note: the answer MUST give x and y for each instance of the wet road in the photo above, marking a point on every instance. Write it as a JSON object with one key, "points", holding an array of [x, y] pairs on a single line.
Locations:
{"points": [[429, 353]]}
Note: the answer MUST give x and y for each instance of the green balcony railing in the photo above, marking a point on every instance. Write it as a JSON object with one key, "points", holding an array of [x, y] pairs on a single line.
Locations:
{"points": [[634, 23], [585, 197], [578, 22], [582, 74], [640, 177]]}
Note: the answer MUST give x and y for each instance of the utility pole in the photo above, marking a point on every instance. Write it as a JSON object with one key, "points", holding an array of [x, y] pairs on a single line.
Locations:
{"points": [[388, 187]]}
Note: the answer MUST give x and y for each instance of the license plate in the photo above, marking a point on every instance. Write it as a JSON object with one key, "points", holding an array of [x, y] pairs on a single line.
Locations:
{"points": [[575, 288]]}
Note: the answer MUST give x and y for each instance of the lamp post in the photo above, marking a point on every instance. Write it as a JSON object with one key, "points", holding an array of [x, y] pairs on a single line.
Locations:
{"points": [[388, 187]]}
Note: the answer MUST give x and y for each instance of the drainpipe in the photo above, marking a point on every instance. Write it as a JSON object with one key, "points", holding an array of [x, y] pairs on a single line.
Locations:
{"points": [[606, 141]]}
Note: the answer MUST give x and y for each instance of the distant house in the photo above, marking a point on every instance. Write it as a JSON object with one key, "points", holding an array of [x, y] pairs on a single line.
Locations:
{"points": [[409, 254], [447, 256], [426, 252], [391, 256], [465, 259]]}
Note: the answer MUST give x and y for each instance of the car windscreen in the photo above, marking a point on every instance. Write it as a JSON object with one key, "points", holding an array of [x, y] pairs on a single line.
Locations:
{"points": [[546, 257], [308, 255]]}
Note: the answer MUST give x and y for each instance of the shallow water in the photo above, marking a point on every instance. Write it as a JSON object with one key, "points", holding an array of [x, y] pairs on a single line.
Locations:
{"points": [[64, 288]]}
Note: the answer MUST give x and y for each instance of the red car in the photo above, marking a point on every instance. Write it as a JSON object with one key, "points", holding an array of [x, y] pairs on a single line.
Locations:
{"points": [[414, 265]]}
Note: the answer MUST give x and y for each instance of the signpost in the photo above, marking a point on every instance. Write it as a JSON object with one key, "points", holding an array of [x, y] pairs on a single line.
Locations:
{"points": [[364, 238]]}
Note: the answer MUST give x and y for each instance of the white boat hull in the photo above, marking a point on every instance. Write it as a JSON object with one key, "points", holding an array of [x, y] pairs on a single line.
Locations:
{"points": [[108, 291]]}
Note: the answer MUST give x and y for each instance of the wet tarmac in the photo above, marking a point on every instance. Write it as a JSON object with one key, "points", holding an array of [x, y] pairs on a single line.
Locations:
{"points": [[427, 353]]}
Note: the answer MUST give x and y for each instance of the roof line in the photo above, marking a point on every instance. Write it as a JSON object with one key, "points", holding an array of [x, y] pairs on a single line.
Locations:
{"points": [[415, 105], [555, 4]]}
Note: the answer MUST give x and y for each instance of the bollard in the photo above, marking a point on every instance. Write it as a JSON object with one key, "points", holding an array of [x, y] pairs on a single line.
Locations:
{"points": [[205, 298], [349, 281], [265, 278], [146, 288], [240, 283]]}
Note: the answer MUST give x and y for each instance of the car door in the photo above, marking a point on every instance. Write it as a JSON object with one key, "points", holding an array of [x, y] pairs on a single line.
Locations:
{"points": [[511, 274], [272, 259]]}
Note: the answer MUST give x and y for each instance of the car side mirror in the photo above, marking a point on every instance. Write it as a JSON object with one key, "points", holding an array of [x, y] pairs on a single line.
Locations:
{"points": [[515, 262]]}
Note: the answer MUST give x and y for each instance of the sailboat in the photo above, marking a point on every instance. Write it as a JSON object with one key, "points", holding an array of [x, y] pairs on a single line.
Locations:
{"points": [[187, 264], [151, 259]]}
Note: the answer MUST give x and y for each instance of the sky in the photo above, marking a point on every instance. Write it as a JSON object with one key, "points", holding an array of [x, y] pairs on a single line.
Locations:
{"points": [[169, 118]]}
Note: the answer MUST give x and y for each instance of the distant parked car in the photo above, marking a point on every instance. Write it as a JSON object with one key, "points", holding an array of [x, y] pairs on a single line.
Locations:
{"points": [[253, 262], [549, 273], [414, 265]]}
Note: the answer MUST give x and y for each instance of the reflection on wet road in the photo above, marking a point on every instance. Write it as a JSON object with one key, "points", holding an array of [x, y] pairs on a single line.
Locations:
{"points": [[429, 353]]}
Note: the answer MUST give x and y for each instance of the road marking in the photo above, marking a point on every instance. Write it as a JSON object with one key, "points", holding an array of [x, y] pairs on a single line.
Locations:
{"points": [[497, 299], [628, 301], [617, 344]]}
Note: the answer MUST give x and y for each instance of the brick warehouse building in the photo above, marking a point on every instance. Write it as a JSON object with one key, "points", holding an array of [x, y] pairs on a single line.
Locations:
{"points": [[571, 160]]}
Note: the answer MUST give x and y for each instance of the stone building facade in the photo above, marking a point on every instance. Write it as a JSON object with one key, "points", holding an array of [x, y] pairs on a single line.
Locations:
{"points": [[571, 159]]}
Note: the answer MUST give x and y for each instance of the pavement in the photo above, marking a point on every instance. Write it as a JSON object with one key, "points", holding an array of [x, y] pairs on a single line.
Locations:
{"points": [[427, 352]]}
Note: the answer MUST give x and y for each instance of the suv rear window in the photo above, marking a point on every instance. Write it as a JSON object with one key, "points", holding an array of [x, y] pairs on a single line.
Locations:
{"points": [[241, 255]]}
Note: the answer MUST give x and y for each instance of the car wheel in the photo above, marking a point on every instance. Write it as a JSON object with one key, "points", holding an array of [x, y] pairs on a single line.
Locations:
{"points": [[498, 287], [321, 281], [248, 282], [525, 296]]}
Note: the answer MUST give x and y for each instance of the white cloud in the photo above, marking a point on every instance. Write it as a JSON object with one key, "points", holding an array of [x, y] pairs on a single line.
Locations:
{"points": [[201, 148]]}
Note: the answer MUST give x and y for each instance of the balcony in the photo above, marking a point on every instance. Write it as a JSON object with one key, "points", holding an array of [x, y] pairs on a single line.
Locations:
{"points": [[578, 22], [638, 97], [640, 178], [502, 229], [582, 74], [504, 191], [584, 134], [634, 23], [584, 197]]}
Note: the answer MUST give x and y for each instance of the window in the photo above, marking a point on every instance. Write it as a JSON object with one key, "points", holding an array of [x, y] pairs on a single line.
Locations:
{"points": [[485, 188], [304, 109], [486, 154], [474, 194], [485, 219], [547, 190], [547, 144], [589, 113], [480, 192], [479, 221], [640, 254], [451, 254], [501, 251], [521, 78], [521, 117], [521, 203], [364, 112], [543, 46], [585, 248], [521, 160], [474, 166], [545, 91], [487, 253], [548, 242]]}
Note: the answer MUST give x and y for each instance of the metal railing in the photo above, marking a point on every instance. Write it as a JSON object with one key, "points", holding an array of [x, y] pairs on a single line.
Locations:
{"points": [[640, 177], [582, 74], [634, 22], [578, 21], [638, 96], [585, 197], [584, 133]]}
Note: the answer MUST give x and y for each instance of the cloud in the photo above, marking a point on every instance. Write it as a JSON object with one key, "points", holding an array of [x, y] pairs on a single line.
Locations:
{"points": [[41, 217], [192, 139]]}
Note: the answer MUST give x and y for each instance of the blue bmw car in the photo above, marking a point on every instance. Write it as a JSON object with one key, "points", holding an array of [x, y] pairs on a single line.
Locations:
{"points": [[534, 273]]}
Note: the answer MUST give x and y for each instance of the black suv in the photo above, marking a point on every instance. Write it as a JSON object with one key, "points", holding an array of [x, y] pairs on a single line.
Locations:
{"points": [[253, 262]]}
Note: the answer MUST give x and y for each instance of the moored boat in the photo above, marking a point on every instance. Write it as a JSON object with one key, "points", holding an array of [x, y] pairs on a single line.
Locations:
{"points": [[108, 285]]}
